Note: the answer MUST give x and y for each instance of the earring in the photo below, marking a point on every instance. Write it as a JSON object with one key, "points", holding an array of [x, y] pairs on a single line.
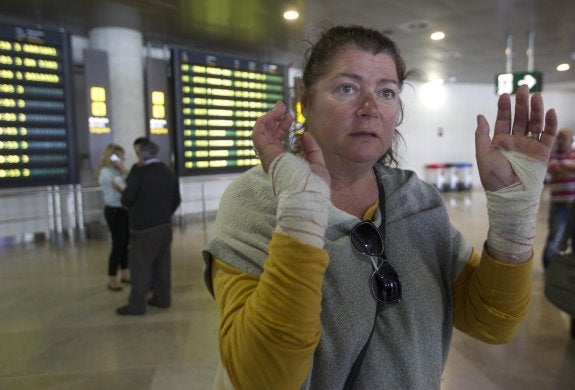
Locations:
{"points": [[294, 138]]}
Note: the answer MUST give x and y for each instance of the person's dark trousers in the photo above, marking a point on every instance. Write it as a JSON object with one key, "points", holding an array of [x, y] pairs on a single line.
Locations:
{"points": [[117, 220], [557, 222], [150, 267]]}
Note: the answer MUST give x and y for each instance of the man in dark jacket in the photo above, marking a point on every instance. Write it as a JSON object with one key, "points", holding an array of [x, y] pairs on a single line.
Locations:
{"points": [[152, 195]]}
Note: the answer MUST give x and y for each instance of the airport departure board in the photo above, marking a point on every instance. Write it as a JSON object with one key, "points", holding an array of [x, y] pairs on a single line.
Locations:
{"points": [[36, 141], [217, 101]]}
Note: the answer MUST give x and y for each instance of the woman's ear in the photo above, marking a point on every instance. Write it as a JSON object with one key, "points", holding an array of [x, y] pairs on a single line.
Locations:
{"points": [[399, 115], [303, 98], [304, 104]]}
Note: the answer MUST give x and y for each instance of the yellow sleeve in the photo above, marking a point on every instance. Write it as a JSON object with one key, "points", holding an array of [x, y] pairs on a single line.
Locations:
{"points": [[270, 326], [491, 298]]}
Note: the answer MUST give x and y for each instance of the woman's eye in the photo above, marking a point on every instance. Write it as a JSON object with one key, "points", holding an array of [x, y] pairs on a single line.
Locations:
{"points": [[346, 88], [387, 93]]}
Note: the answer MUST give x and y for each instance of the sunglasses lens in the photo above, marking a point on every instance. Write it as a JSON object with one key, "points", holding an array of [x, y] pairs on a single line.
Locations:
{"points": [[385, 285], [366, 239]]}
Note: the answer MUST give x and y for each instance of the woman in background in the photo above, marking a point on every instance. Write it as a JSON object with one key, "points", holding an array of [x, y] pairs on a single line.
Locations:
{"points": [[111, 173]]}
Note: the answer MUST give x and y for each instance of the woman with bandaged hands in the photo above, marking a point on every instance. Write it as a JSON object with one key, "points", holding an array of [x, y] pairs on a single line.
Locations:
{"points": [[335, 269]]}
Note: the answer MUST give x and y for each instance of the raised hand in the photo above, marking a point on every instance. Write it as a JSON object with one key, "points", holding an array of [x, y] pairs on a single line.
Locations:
{"points": [[530, 132], [269, 134]]}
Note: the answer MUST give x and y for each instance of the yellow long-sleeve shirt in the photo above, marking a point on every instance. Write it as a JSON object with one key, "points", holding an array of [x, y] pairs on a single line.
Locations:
{"points": [[260, 350]]}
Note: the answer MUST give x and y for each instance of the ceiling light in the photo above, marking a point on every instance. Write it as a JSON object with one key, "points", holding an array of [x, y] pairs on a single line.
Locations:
{"points": [[416, 26], [291, 14], [433, 94], [437, 36], [563, 67]]}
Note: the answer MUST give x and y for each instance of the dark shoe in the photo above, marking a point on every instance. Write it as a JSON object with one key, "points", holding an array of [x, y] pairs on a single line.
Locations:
{"points": [[153, 302], [114, 288], [127, 281], [127, 311]]}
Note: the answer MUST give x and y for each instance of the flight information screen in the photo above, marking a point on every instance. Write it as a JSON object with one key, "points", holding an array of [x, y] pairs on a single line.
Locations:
{"points": [[36, 140], [217, 101]]}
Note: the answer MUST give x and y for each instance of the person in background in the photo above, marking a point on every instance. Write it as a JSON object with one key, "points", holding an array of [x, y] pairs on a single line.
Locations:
{"points": [[152, 195], [334, 269], [111, 173], [561, 184], [137, 142]]}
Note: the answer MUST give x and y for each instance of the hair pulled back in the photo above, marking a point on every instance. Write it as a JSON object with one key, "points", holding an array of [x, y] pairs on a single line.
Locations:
{"points": [[320, 55]]}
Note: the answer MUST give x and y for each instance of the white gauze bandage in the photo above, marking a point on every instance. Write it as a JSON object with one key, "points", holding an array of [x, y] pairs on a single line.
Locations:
{"points": [[303, 199], [512, 210]]}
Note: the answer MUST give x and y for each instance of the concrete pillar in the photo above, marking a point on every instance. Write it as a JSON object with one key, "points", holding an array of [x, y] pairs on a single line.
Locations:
{"points": [[127, 100]]}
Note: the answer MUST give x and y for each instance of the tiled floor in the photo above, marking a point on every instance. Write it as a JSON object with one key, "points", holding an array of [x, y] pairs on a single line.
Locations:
{"points": [[58, 328]]}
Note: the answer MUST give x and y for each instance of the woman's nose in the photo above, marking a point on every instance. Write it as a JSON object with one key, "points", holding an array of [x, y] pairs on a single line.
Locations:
{"points": [[368, 105]]}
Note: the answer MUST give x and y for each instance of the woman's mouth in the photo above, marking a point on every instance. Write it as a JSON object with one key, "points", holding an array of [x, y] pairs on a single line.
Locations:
{"points": [[371, 134]]}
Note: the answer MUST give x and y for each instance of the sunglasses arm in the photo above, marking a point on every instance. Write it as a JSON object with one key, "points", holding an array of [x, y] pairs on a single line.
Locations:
{"points": [[374, 263]]}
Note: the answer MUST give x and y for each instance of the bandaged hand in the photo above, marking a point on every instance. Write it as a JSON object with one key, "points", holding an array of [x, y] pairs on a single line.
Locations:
{"points": [[303, 199], [512, 211], [512, 167]]}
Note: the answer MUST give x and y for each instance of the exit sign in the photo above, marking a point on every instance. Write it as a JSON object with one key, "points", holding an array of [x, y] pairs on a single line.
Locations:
{"points": [[509, 82]]}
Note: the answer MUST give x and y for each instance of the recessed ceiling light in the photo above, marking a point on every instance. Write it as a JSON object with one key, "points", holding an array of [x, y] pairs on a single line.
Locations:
{"points": [[447, 55], [416, 26], [291, 14], [563, 67], [437, 36]]}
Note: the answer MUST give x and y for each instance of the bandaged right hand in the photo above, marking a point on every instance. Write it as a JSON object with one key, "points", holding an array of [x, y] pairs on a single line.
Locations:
{"points": [[303, 199]]}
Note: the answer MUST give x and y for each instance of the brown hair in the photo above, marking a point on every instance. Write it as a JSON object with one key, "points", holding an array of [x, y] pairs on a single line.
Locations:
{"points": [[332, 41]]}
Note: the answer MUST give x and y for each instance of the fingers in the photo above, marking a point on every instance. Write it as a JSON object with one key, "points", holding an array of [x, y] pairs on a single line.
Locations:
{"points": [[529, 114], [311, 149], [268, 125], [482, 140], [284, 125], [521, 119], [273, 115], [503, 120], [550, 131], [314, 155], [269, 133], [536, 117]]}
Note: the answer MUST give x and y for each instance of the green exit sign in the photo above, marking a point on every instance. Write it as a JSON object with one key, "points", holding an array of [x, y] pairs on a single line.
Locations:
{"points": [[509, 82]]}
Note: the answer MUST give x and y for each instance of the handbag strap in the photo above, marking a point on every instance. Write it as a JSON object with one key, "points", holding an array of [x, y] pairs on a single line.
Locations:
{"points": [[354, 372]]}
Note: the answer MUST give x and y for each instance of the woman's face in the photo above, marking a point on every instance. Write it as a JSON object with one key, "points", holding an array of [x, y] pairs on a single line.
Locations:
{"points": [[352, 110], [120, 154]]}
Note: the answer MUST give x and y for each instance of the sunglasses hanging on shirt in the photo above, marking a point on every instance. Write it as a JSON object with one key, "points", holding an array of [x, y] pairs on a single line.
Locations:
{"points": [[384, 282]]}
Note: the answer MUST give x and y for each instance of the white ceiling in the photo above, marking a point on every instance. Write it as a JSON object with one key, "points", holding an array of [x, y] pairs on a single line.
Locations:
{"points": [[473, 50]]}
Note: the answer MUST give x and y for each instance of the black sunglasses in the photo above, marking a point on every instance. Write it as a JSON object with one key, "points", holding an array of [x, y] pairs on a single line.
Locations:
{"points": [[384, 282]]}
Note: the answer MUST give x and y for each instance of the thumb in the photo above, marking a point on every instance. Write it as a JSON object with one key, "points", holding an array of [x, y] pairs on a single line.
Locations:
{"points": [[314, 155], [482, 140]]}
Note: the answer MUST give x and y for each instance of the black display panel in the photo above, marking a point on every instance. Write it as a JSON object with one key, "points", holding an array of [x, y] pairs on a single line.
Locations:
{"points": [[217, 101], [157, 107], [37, 144]]}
